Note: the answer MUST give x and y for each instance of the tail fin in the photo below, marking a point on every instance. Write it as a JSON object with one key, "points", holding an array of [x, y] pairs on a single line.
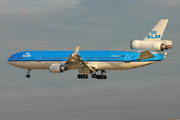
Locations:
{"points": [[157, 32]]}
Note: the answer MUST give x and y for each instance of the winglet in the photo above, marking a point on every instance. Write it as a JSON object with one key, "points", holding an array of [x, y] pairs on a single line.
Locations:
{"points": [[76, 51]]}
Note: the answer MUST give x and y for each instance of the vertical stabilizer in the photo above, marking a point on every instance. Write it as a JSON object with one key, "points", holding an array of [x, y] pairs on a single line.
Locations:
{"points": [[157, 32]]}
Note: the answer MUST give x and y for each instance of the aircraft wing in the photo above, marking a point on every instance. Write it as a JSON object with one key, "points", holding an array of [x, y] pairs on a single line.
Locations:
{"points": [[75, 61]]}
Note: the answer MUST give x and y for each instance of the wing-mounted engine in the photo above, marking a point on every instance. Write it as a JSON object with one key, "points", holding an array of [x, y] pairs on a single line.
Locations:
{"points": [[154, 45], [57, 68]]}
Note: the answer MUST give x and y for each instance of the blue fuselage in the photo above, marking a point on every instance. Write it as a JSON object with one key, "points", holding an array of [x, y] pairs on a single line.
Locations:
{"points": [[98, 56]]}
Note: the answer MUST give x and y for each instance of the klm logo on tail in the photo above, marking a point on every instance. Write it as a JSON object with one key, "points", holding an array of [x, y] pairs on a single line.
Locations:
{"points": [[153, 35]]}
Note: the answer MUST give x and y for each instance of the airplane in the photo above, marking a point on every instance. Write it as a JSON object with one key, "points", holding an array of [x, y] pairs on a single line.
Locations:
{"points": [[92, 61]]}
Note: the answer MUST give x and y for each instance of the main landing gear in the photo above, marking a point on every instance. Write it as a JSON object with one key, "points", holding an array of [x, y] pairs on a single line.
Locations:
{"points": [[99, 76], [28, 73], [85, 76], [82, 76]]}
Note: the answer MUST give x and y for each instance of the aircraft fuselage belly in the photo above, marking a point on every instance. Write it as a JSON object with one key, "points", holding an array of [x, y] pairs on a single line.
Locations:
{"points": [[98, 65]]}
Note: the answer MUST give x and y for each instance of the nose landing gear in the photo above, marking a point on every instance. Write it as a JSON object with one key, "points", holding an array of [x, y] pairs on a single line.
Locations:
{"points": [[28, 73]]}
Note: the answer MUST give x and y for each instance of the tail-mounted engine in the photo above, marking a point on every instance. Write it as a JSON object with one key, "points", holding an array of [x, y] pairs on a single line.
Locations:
{"points": [[57, 68], [158, 45]]}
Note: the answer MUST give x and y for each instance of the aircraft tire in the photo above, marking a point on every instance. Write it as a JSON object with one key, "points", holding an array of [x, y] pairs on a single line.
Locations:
{"points": [[94, 76], [79, 76], [98, 76], [86, 76], [27, 76]]}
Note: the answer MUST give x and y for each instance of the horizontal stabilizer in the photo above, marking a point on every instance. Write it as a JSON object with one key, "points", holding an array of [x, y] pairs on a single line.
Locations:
{"points": [[146, 55]]}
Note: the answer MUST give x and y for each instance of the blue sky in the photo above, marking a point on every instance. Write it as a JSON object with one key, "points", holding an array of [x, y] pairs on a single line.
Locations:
{"points": [[149, 92]]}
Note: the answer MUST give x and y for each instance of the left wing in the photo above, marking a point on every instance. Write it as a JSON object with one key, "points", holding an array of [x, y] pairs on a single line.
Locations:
{"points": [[75, 61]]}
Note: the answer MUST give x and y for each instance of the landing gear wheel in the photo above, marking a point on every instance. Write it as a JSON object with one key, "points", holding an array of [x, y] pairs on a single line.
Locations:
{"points": [[105, 77], [27, 76], [86, 76], [78, 76], [98, 76], [94, 76]]}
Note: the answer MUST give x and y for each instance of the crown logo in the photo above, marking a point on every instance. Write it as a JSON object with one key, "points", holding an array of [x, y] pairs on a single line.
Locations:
{"points": [[153, 32]]}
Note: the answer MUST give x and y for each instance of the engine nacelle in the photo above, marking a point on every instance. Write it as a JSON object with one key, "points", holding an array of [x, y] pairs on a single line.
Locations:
{"points": [[151, 45], [57, 68]]}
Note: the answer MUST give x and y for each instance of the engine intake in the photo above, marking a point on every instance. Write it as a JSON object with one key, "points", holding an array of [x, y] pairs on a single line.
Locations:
{"points": [[151, 45], [57, 68]]}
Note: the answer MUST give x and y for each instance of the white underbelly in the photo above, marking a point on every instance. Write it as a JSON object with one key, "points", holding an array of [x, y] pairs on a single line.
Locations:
{"points": [[33, 64], [118, 65], [96, 65]]}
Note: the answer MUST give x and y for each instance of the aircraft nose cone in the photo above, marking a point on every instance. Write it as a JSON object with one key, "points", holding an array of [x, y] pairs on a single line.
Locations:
{"points": [[9, 62]]}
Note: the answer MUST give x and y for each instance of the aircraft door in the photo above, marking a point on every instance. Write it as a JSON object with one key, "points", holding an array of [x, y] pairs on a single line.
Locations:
{"points": [[39, 58], [127, 58]]}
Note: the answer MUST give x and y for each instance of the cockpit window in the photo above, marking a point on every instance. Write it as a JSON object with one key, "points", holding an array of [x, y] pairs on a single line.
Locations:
{"points": [[11, 57]]}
